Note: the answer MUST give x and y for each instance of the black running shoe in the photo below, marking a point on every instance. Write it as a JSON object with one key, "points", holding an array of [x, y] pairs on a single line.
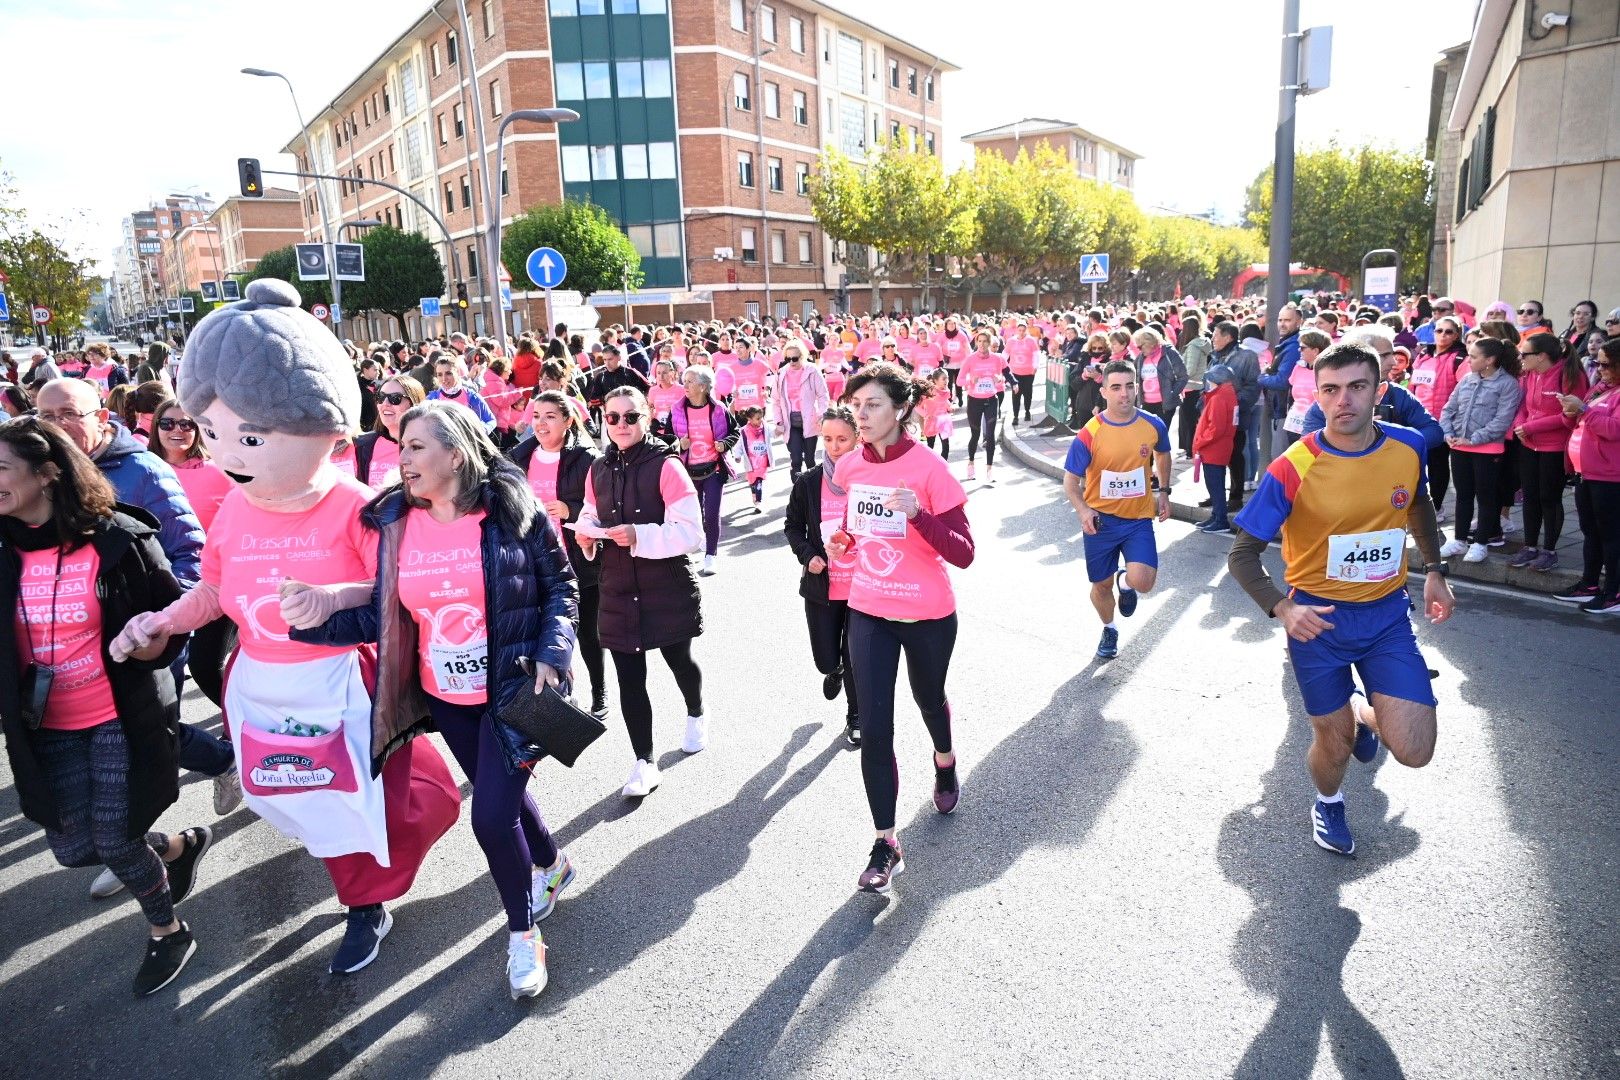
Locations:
{"points": [[852, 731], [165, 957], [599, 704], [881, 869], [183, 871], [947, 792], [361, 940], [832, 684]]}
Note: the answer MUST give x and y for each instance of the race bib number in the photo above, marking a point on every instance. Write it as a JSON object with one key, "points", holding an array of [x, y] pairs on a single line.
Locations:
{"points": [[460, 669], [869, 517], [1123, 485], [1423, 378], [747, 393], [984, 385], [1295, 420], [1374, 556]]}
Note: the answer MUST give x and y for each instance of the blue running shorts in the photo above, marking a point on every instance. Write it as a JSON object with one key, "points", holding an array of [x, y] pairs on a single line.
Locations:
{"points": [[1376, 638], [1116, 537]]}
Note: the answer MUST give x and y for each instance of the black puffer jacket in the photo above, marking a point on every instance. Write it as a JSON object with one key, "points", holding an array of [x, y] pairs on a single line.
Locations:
{"points": [[134, 578], [803, 528], [572, 469], [532, 609]]}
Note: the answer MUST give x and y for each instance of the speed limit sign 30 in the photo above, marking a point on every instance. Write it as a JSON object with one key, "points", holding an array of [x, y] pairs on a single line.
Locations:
{"points": [[42, 315]]}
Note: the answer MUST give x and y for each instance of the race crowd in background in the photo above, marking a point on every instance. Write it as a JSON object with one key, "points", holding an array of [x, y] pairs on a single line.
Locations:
{"points": [[594, 468]]}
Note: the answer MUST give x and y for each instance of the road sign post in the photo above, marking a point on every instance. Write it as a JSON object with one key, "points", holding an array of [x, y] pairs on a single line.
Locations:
{"points": [[547, 269], [1094, 271], [5, 308], [320, 311]]}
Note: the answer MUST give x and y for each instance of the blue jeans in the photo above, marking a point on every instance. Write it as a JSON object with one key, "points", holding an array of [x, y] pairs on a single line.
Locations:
{"points": [[709, 491], [1215, 482]]}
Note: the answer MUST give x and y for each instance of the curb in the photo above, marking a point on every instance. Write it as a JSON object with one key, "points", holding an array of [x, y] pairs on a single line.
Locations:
{"points": [[1494, 571]]}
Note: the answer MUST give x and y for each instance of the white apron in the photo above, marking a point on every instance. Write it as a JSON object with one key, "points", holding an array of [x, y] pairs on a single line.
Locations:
{"points": [[318, 791]]}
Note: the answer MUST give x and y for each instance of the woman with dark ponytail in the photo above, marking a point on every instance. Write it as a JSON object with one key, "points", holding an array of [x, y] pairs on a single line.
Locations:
{"points": [[903, 522], [1543, 439]]}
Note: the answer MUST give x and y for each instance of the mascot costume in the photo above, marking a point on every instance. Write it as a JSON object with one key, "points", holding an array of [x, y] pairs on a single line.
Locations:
{"points": [[272, 392]]}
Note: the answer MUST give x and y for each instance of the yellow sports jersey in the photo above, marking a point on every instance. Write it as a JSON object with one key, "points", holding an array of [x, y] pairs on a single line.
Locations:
{"points": [[1343, 516], [1116, 463]]}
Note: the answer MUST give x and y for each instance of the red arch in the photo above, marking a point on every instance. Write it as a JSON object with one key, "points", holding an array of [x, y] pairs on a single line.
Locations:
{"points": [[1258, 270]]}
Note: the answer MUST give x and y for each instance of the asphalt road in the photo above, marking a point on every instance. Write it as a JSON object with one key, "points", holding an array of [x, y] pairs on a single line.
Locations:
{"points": [[1128, 889]]}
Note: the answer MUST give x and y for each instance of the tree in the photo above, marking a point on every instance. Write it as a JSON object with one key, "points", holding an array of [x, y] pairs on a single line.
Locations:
{"points": [[1351, 200], [596, 249], [43, 273], [401, 269], [901, 209], [283, 263]]}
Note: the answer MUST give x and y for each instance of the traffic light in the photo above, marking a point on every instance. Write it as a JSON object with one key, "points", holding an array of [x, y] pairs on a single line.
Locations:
{"points": [[461, 297], [247, 171]]}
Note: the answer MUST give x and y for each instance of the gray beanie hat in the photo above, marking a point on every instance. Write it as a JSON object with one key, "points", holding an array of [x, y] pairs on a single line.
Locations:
{"points": [[271, 363]]}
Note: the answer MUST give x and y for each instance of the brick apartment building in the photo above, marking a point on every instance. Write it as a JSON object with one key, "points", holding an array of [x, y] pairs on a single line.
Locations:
{"points": [[1092, 156], [249, 228], [669, 140], [148, 263]]}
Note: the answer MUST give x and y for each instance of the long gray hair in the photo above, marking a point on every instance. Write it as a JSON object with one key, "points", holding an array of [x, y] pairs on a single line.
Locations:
{"points": [[455, 428]]}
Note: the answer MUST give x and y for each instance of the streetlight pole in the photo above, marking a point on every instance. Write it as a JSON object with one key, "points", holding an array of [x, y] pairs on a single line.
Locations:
{"points": [[539, 116], [761, 170], [320, 192], [1278, 278]]}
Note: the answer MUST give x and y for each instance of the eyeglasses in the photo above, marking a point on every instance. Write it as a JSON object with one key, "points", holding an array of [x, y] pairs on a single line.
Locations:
{"points": [[1446, 331], [169, 423], [622, 418], [889, 346], [1527, 355], [1528, 311], [60, 418], [392, 399]]}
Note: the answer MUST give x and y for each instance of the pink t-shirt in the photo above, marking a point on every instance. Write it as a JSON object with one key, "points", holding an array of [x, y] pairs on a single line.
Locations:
{"points": [[757, 448], [58, 625], [869, 348], [663, 400], [700, 431], [981, 375], [205, 485], [441, 583], [835, 382], [833, 501], [954, 348], [1150, 377], [897, 574], [251, 551], [384, 468], [101, 375], [926, 359], [543, 474], [749, 383], [345, 460], [1021, 355]]}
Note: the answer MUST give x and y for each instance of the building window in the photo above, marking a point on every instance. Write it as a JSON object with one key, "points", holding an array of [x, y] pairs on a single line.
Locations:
{"points": [[641, 238], [928, 139], [466, 191], [739, 92], [505, 185], [751, 310], [661, 161], [894, 131], [635, 161], [391, 168], [911, 81], [451, 49], [852, 128], [388, 101], [460, 119], [804, 247], [773, 101], [592, 7], [828, 113], [495, 97], [778, 246], [849, 63], [628, 73], [739, 20], [564, 7], [928, 88], [603, 166], [802, 178], [877, 129], [894, 74], [667, 238], [767, 23], [449, 199], [570, 82], [773, 173], [576, 164], [750, 253], [745, 169], [407, 87], [472, 260], [655, 81], [796, 34], [801, 109], [489, 19], [442, 138], [433, 58]]}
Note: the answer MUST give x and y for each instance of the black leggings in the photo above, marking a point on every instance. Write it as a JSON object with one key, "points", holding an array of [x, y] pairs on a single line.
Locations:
{"points": [[875, 646], [633, 699], [1541, 474], [944, 447], [801, 447], [1476, 483], [1023, 387], [981, 417], [1240, 451], [590, 641], [1189, 419], [829, 644], [1439, 472], [1597, 506]]}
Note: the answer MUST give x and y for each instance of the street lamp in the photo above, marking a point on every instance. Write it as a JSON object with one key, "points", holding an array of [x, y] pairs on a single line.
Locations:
{"points": [[320, 192], [362, 223], [493, 257]]}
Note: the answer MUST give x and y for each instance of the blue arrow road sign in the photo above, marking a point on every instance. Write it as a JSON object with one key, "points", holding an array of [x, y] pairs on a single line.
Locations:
{"points": [[547, 268], [430, 307], [1093, 269], [5, 308], [506, 296]]}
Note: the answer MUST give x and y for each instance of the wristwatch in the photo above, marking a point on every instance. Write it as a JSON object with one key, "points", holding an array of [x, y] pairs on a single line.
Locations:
{"points": [[1165, 491], [1437, 568]]}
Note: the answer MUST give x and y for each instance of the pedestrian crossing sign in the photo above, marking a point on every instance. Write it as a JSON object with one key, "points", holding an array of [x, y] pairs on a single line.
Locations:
{"points": [[1093, 269]]}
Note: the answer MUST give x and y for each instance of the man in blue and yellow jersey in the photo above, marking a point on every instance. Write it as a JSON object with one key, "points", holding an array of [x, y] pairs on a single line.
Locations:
{"points": [[1107, 479], [1345, 499]]}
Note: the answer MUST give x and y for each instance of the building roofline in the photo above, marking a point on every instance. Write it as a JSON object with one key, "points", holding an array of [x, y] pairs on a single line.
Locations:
{"points": [[941, 63], [1053, 127], [1491, 19]]}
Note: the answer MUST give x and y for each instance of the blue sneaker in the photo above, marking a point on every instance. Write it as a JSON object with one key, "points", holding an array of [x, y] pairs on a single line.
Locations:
{"points": [[1127, 596], [1108, 647], [1366, 747], [1329, 829], [361, 939]]}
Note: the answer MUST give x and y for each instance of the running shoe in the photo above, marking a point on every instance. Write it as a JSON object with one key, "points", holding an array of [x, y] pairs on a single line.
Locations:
{"points": [[1127, 595], [1366, 745], [1524, 558], [1477, 553], [852, 731], [947, 791], [547, 885], [526, 964], [599, 704], [362, 938], [697, 734], [708, 566], [1452, 548], [1329, 828], [1547, 560], [1439, 516], [973, 471], [165, 957], [644, 780], [881, 868], [105, 885], [832, 683], [227, 791], [1580, 594], [1108, 647], [183, 870], [1496, 542], [1215, 528], [1602, 605]]}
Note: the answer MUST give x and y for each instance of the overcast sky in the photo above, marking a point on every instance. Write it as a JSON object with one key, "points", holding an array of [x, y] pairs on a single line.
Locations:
{"points": [[109, 103]]}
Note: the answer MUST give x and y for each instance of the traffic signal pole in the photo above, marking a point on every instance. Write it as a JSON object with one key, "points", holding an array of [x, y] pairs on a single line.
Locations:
{"points": [[1278, 278]]}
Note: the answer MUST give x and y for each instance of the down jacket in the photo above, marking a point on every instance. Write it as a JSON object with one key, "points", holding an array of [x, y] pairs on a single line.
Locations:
{"points": [[532, 610], [143, 479]]}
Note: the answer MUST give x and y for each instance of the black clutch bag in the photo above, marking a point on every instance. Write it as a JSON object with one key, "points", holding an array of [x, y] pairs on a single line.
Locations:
{"points": [[552, 722]]}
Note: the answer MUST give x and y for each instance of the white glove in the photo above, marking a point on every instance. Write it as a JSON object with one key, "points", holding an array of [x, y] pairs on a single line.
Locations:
{"points": [[305, 607], [139, 633]]}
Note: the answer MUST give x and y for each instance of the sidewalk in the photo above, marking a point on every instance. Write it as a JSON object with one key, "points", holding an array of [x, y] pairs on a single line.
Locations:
{"points": [[1042, 446]]}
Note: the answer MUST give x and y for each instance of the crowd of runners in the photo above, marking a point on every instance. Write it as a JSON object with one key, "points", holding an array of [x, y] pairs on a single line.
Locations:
{"points": [[348, 548]]}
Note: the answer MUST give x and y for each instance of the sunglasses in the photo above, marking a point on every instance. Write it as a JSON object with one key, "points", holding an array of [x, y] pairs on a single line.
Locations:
{"points": [[1447, 332], [392, 399], [169, 423], [1528, 311], [622, 418]]}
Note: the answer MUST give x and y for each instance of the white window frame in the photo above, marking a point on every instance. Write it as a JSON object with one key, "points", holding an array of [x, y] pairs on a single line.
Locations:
{"points": [[796, 34], [773, 101], [767, 23], [742, 98], [739, 15], [746, 243], [801, 108], [745, 169]]}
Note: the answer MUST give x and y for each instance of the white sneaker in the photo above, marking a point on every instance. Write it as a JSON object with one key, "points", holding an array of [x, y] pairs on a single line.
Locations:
{"points": [[972, 471], [1452, 548], [708, 566], [105, 885], [1476, 553], [697, 734], [526, 963], [1248, 485], [227, 791], [643, 780]]}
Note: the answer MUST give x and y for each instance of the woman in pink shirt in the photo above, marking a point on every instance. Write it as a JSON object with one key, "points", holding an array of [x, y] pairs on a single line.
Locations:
{"points": [[1022, 352], [1433, 380], [1594, 451], [1543, 439], [955, 345], [664, 395], [982, 377], [832, 370], [926, 355], [801, 397], [903, 522], [935, 411]]}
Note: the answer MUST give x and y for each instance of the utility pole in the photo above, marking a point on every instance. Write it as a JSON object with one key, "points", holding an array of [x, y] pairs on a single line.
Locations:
{"points": [[1282, 199], [491, 281], [761, 170]]}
